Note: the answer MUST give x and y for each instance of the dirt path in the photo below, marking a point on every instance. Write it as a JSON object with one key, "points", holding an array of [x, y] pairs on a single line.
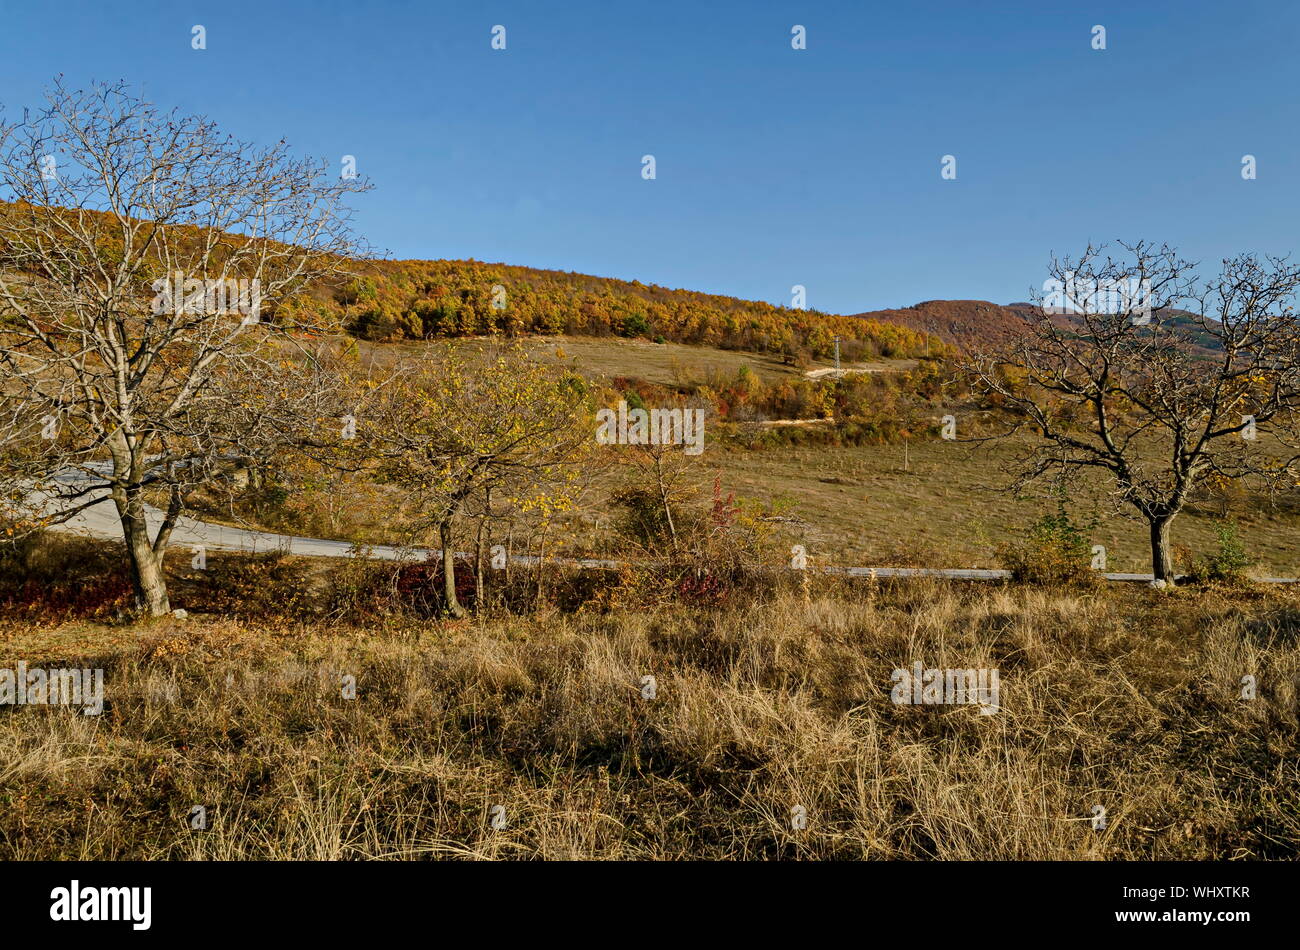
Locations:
{"points": [[890, 366]]}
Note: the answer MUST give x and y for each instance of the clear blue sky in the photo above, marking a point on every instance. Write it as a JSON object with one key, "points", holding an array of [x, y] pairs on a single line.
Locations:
{"points": [[776, 167]]}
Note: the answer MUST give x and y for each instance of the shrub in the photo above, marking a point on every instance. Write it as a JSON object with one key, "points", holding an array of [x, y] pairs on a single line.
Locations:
{"points": [[268, 584], [1229, 562], [635, 324], [1054, 550], [52, 576]]}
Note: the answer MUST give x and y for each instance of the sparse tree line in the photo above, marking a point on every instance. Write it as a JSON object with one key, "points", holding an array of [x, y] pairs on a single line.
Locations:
{"points": [[108, 398]]}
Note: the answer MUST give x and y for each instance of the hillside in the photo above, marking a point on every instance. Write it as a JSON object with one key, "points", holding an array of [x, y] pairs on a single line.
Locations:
{"points": [[979, 324], [411, 300], [393, 300], [966, 324], [390, 301]]}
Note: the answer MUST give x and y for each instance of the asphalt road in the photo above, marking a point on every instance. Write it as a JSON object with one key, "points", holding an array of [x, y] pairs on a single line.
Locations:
{"points": [[101, 521]]}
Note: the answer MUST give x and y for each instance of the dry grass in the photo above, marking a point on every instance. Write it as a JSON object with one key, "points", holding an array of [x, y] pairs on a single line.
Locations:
{"points": [[664, 364], [939, 504], [1126, 698]]}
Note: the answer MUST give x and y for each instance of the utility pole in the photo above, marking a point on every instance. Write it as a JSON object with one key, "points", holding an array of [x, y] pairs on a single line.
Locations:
{"points": [[837, 357]]}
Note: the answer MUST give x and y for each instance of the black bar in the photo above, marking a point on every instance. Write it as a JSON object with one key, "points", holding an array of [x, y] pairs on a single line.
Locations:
{"points": [[898, 901]]}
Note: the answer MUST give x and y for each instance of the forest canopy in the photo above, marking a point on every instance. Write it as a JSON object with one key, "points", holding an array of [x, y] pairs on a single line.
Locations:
{"points": [[413, 300]]}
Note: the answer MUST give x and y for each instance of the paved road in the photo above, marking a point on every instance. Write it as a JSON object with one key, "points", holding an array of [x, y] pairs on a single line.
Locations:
{"points": [[978, 574], [101, 521]]}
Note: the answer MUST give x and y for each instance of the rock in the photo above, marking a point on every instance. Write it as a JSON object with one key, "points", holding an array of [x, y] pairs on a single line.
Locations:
{"points": [[180, 614]]}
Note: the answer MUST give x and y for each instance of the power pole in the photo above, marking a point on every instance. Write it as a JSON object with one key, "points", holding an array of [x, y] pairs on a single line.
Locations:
{"points": [[837, 357]]}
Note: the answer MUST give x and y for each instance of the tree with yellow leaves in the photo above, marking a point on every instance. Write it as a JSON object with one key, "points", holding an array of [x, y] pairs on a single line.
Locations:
{"points": [[454, 429]]}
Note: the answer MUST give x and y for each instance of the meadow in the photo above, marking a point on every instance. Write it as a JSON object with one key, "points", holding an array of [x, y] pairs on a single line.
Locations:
{"points": [[1121, 731], [933, 503], [916, 500], [309, 708]]}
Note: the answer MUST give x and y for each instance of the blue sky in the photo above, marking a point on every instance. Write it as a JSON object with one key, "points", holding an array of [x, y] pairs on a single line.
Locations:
{"points": [[775, 167]]}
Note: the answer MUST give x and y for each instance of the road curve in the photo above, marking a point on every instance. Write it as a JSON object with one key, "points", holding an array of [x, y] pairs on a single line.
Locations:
{"points": [[101, 521]]}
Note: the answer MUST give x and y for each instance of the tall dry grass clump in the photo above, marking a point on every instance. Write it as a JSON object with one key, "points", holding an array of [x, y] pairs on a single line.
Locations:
{"points": [[1126, 699]]}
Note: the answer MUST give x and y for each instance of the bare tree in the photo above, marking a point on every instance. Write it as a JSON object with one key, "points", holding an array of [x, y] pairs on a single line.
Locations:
{"points": [[144, 262], [1141, 369], [659, 480]]}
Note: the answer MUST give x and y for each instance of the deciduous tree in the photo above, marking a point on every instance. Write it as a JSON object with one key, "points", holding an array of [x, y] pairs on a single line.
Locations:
{"points": [[143, 256]]}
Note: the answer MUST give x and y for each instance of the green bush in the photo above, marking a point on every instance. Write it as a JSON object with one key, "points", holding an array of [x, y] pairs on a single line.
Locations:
{"points": [[1054, 550], [1229, 562], [635, 324]]}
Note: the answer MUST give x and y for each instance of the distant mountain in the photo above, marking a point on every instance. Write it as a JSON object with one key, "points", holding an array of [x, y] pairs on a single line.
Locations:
{"points": [[968, 324], [979, 324]]}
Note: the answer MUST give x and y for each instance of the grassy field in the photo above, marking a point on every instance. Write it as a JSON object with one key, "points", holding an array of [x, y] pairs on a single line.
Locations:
{"points": [[925, 503], [673, 364], [936, 503], [931, 503], [1127, 699], [665, 364]]}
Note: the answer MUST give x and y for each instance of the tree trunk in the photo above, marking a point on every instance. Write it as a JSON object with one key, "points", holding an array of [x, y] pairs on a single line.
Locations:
{"points": [[541, 566], [663, 497], [1162, 562], [449, 569], [478, 568], [510, 553], [147, 576]]}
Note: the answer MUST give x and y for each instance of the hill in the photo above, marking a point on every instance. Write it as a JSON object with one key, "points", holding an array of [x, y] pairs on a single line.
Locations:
{"points": [[966, 324], [392, 300], [979, 324], [412, 300]]}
